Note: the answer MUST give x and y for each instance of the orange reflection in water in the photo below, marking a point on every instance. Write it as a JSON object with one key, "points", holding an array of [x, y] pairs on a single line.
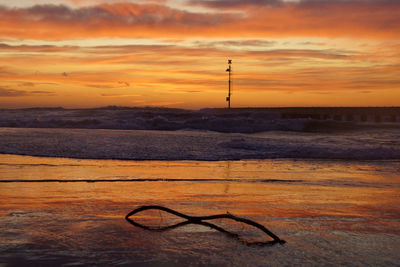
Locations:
{"points": [[318, 207], [260, 189]]}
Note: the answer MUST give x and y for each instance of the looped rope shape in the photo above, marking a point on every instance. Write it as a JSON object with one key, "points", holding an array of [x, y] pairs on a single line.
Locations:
{"points": [[201, 220]]}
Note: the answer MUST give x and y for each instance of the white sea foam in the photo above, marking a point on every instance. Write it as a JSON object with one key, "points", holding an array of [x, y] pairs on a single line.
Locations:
{"points": [[175, 134], [193, 145]]}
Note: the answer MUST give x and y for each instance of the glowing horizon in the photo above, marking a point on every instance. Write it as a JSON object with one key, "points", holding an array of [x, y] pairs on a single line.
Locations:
{"points": [[173, 53]]}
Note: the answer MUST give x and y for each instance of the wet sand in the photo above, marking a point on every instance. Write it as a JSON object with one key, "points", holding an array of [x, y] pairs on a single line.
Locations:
{"points": [[329, 212]]}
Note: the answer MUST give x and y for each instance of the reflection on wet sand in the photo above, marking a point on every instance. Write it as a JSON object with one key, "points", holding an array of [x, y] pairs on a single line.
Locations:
{"points": [[330, 212]]}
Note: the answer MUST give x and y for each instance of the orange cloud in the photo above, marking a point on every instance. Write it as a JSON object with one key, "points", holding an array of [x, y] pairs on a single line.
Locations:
{"points": [[172, 67], [372, 19], [191, 73]]}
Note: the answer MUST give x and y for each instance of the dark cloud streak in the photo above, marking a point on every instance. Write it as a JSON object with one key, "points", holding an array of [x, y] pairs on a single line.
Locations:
{"points": [[121, 13], [226, 4], [257, 18], [11, 92], [4, 92], [233, 4]]}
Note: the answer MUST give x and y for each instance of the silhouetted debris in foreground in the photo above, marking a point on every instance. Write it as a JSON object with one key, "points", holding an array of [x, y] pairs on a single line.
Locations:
{"points": [[201, 220]]}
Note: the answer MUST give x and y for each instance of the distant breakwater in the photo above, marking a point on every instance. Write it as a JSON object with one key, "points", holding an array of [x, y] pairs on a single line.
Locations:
{"points": [[344, 114]]}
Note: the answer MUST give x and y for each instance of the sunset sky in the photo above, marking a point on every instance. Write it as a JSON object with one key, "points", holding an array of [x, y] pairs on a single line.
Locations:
{"points": [[173, 53]]}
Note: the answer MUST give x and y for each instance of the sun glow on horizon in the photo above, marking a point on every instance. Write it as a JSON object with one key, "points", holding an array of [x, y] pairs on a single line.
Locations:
{"points": [[171, 53]]}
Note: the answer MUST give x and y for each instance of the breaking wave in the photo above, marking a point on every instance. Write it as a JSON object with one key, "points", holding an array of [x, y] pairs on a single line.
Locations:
{"points": [[208, 134], [218, 120]]}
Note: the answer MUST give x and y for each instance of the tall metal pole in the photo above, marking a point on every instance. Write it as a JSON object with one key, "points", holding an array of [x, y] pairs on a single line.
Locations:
{"points": [[229, 70]]}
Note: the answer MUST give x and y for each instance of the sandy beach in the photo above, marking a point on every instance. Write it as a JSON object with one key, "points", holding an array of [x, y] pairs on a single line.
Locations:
{"points": [[329, 212], [277, 120]]}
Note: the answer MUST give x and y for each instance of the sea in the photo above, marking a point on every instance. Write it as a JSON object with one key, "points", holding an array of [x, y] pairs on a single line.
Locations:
{"points": [[68, 178]]}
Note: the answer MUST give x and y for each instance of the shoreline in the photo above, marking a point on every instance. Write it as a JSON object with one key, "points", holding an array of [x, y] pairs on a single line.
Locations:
{"points": [[329, 212], [217, 160]]}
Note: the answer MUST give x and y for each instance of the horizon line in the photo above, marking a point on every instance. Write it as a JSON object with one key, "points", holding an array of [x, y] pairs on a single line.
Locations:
{"points": [[164, 107]]}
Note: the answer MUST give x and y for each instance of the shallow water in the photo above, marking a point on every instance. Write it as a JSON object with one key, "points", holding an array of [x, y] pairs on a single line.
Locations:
{"points": [[329, 212]]}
